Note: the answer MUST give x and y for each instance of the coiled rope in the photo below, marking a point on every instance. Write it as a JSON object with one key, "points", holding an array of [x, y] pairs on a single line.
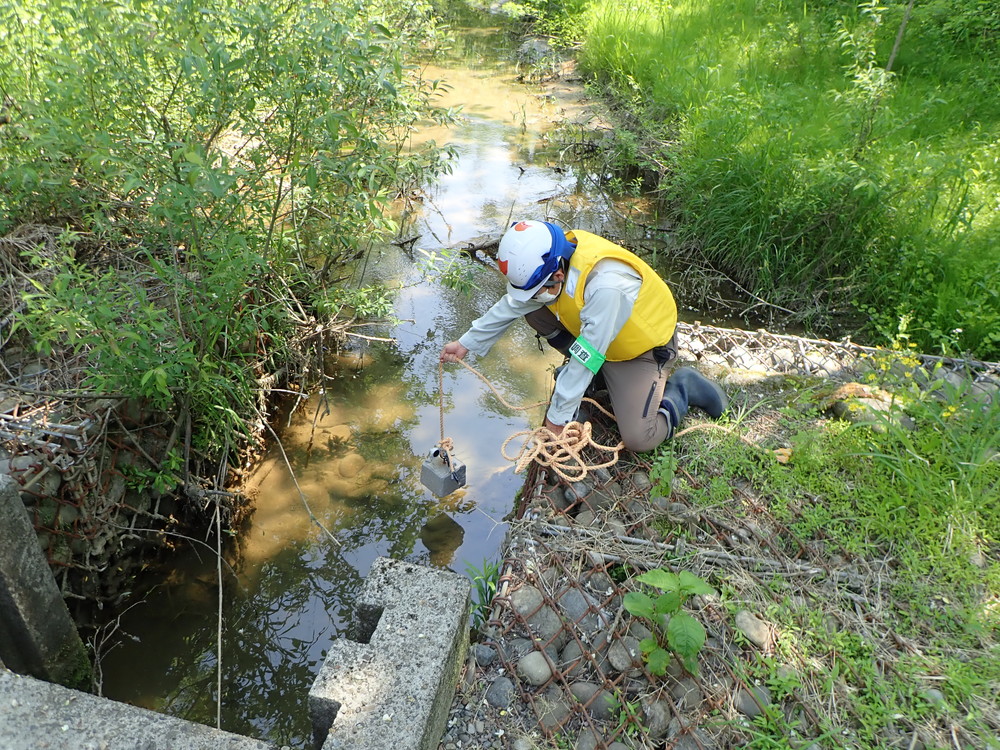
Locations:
{"points": [[562, 453]]}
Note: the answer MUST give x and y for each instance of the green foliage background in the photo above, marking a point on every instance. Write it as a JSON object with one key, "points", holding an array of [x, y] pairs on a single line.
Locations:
{"points": [[212, 164], [818, 162]]}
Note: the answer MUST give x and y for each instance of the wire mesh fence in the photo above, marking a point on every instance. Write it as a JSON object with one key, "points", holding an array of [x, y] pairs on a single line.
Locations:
{"points": [[570, 653]]}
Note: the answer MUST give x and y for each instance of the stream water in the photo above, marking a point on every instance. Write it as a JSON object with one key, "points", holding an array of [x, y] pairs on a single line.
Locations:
{"points": [[356, 448]]}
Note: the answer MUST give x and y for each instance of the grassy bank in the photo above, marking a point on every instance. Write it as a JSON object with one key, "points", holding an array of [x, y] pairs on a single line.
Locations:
{"points": [[899, 504], [828, 156]]}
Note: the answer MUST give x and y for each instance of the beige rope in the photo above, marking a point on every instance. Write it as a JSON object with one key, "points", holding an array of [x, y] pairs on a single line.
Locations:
{"points": [[561, 453], [447, 445]]}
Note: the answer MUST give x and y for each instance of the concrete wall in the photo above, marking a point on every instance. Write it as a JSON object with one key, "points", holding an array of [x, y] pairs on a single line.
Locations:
{"points": [[37, 635], [392, 686], [37, 715]]}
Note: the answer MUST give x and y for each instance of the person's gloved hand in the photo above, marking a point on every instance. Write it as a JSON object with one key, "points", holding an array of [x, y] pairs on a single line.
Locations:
{"points": [[453, 352]]}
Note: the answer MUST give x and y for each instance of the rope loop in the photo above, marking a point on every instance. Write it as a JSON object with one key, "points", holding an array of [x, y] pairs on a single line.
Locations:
{"points": [[561, 453]]}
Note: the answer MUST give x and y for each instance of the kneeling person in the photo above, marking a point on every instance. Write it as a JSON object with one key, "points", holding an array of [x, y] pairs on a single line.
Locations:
{"points": [[609, 312]]}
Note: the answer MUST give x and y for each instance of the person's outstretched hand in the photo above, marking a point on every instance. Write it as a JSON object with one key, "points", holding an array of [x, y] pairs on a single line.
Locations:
{"points": [[453, 352]]}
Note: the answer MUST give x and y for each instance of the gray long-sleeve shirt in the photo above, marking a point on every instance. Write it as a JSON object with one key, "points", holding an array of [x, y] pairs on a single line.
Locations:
{"points": [[612, 288]]}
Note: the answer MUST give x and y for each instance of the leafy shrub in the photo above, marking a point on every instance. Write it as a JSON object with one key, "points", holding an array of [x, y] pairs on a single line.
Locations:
{"points": [[213, 161]]}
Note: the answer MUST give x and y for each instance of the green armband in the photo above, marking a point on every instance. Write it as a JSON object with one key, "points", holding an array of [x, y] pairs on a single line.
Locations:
{"points": [[585, 354]]}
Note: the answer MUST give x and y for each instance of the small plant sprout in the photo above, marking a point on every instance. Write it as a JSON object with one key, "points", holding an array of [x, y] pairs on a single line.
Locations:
{"points": [[484, 583], [672, 628]]}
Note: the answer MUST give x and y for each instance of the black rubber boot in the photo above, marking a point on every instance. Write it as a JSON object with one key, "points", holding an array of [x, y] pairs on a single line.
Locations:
{"points": [[687, 387]]}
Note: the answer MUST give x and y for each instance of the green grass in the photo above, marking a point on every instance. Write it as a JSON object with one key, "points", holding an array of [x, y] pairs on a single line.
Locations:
{"points": [[808, 175], [911, 508]]}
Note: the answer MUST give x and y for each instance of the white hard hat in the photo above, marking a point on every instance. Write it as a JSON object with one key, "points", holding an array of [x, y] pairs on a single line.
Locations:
{"points": [[525, 258]]}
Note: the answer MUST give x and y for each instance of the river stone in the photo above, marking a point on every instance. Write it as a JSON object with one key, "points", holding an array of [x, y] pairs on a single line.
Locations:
{"points": [[641, 481], [696, 740], [588, 740], [587, 518], [556, 499], [755, 629], [602, 475], [640, 632], [527, 602], [934, 696], [533, 50], [656, 717], [984, 392], [578, 490], [515, 648], [636, 507], [624, 654], [687, 694], [534, 668], [568, 664], [600, 583], [350, 465], [500, 693], [580, 609], [659, 504], [600, 500], [552, 708], [483, 654], [616, 526], [680, 513], [602, 704], [751, 702]]}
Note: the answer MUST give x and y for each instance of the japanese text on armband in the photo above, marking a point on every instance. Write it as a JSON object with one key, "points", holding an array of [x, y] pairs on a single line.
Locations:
{"points": [[585, 354]]}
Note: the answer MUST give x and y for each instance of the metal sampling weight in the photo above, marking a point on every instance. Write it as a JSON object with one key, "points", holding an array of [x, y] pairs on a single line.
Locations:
{"points": [[442, 473]]}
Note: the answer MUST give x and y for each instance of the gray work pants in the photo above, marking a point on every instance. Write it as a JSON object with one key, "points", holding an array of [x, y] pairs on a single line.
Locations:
{"points": [[635, 386]]}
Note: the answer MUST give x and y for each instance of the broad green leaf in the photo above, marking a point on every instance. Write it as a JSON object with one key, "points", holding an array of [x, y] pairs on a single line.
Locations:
{"points": [[692, 584], [668, 603], [659, 578], [657, 661], [648, 645], [690, 663], [639, 605], [685, 634]]}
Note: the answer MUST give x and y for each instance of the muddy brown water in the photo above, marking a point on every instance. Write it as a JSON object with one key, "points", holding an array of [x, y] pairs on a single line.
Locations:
{"points": [[356, 448]]}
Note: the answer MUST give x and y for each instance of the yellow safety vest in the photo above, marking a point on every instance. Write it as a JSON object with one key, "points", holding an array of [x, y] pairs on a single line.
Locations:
{"points": [[654, 315]]}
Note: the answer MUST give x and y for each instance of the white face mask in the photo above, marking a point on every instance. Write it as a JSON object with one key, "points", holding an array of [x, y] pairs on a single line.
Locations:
{"points": [[546, 298]]}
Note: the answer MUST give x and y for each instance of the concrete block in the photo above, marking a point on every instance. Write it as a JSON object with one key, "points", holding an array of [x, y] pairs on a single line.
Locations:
{"points": [[442, 473], [37, 635], [39, 715], [391, 686]]}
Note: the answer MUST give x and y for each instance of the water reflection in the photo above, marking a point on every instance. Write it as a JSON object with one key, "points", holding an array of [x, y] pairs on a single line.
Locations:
{"points": [[355, 449]]}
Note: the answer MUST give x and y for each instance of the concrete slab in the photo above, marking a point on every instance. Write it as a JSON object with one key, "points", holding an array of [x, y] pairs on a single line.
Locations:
{"points": [[392, 686], [36, 715], [37, 635]]}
